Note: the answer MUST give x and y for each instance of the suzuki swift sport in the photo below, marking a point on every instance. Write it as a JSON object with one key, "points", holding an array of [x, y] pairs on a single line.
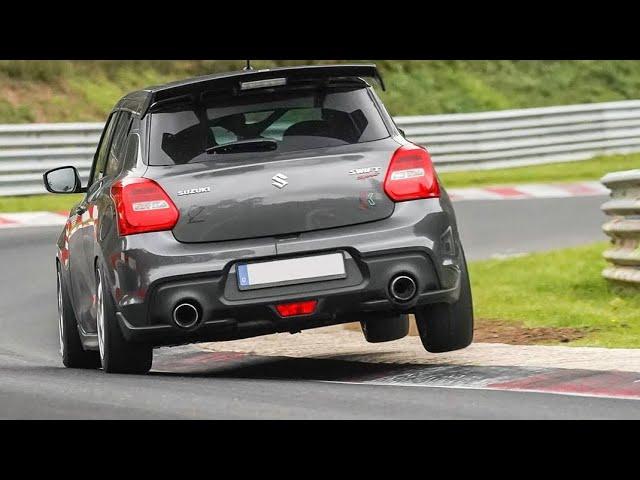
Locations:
{"points": [[252, 202]]}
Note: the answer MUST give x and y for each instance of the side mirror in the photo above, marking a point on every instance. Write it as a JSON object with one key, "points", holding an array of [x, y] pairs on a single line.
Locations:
{"points": [[62, 180], [402, 132]]}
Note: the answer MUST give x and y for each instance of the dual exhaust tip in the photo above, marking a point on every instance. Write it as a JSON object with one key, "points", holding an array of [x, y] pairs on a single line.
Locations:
{"points": [[186, 315], [403, 288]]}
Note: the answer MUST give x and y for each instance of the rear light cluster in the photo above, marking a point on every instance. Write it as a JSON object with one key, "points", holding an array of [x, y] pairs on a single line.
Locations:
{"points": [[142, 206], [411, 175], [297, 308]]}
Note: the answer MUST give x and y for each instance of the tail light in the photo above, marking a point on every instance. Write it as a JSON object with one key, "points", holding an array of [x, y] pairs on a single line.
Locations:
{"points": [[142, 206], [411, 175], [297, 308]]}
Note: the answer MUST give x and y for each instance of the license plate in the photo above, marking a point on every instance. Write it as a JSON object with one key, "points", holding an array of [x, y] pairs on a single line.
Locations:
{"points": [[290, 271]]}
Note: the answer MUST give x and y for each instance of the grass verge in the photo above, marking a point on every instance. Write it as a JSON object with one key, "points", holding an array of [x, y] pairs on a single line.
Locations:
{"points": [[561, 289], [592, 169], [85, 90], [34, 203]]}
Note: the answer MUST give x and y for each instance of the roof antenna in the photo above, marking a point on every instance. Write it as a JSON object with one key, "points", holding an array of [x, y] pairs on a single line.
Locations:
{"points": [[248, 67]]}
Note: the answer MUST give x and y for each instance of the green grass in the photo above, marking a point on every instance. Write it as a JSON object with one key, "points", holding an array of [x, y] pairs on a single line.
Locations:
{"points": [[31, 203], [418, 88], [562, 288], [592, 169], [15, 113], [55, 91]]}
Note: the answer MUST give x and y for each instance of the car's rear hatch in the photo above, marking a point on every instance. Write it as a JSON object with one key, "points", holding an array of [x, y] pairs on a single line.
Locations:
{"points": [[271, 153], [273, 194]]}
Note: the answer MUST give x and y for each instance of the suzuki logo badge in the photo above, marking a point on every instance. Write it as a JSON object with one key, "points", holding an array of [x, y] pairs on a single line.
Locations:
{"points": [[279, 180]]}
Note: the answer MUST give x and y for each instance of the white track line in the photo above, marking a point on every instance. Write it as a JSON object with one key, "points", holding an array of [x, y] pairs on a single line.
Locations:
{"points": [[492, 389]]}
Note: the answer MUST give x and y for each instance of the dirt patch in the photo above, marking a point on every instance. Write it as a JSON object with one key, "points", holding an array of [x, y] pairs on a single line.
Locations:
{"points": [[512, 333], [38, 101], [29, 98], [18, 93], [497, 331]]}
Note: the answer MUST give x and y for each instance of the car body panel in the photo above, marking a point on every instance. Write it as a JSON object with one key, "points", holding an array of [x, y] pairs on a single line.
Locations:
{"points": [[324, 188], [137, 263]]}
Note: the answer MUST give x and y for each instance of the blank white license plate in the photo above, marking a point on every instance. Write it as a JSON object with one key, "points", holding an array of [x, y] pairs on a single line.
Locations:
{"points": [[290, 271]]}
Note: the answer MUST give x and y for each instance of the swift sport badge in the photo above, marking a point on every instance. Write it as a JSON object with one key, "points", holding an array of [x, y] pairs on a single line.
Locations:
{"points": [[191, 191], [365, 172]]}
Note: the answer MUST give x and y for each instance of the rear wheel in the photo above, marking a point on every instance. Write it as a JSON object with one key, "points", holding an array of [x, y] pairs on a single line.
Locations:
{"points": [[71, 351], [116, 354], [384, 327], [444, 327]]}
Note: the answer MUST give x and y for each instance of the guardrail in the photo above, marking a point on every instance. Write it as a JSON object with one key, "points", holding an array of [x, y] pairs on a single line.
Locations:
{"points": [[528, 136], [464, 141], [26, 151], [624, 228]]}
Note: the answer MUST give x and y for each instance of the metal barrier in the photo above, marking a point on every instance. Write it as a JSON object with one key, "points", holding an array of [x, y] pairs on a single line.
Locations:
{"points": [[529, 136], [468, 141], [624, 228], [26, 151]]}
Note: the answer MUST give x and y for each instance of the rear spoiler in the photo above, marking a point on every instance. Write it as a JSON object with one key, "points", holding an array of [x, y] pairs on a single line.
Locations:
{"points": [[233, 79]]}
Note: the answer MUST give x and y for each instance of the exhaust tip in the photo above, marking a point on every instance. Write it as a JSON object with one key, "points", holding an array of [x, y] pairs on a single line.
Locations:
{"points": [[403, 288], [186, 315]]}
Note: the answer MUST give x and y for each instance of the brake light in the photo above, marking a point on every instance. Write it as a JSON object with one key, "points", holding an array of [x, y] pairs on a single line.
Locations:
{"points": [[297, 308], [411, 175], [142, 206]]}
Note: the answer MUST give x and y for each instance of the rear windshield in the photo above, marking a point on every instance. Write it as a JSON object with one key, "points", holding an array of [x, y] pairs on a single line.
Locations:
{"points": [[286, 120]]}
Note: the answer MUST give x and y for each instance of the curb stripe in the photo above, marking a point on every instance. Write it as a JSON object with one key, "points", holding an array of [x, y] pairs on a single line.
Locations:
{"points": [[31, 219], [575, 382], [506, 192], [534, 190], [578, 382]]}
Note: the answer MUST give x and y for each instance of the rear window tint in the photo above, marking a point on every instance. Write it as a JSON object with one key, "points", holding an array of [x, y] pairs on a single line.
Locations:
{"points": [[295, 120]]}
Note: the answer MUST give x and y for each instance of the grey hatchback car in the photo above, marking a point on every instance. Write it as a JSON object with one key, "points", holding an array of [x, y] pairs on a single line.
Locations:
{"points": [[246, 203]]}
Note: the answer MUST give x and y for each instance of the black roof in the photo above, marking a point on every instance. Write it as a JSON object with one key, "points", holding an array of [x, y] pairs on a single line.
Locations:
{"points": [[140, 101]]}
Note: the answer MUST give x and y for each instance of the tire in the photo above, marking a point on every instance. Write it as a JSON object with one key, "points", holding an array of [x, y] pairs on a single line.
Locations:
{"points": [[384, 327], [71, 351], [446, 327], [116, 354]]}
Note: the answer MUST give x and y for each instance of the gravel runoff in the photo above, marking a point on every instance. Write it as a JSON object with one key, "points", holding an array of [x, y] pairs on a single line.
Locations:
{"points": [[339, 344]]}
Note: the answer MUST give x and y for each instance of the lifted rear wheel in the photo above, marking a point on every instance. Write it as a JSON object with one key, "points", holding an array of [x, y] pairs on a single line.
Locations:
{"points": [[384, 326], [444, 327], [116, 354], [71, 351]]}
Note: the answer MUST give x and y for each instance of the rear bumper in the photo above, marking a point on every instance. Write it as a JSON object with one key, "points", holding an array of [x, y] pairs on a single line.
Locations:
{"points": [[253, 313], [152, 273], [236, 328]]}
